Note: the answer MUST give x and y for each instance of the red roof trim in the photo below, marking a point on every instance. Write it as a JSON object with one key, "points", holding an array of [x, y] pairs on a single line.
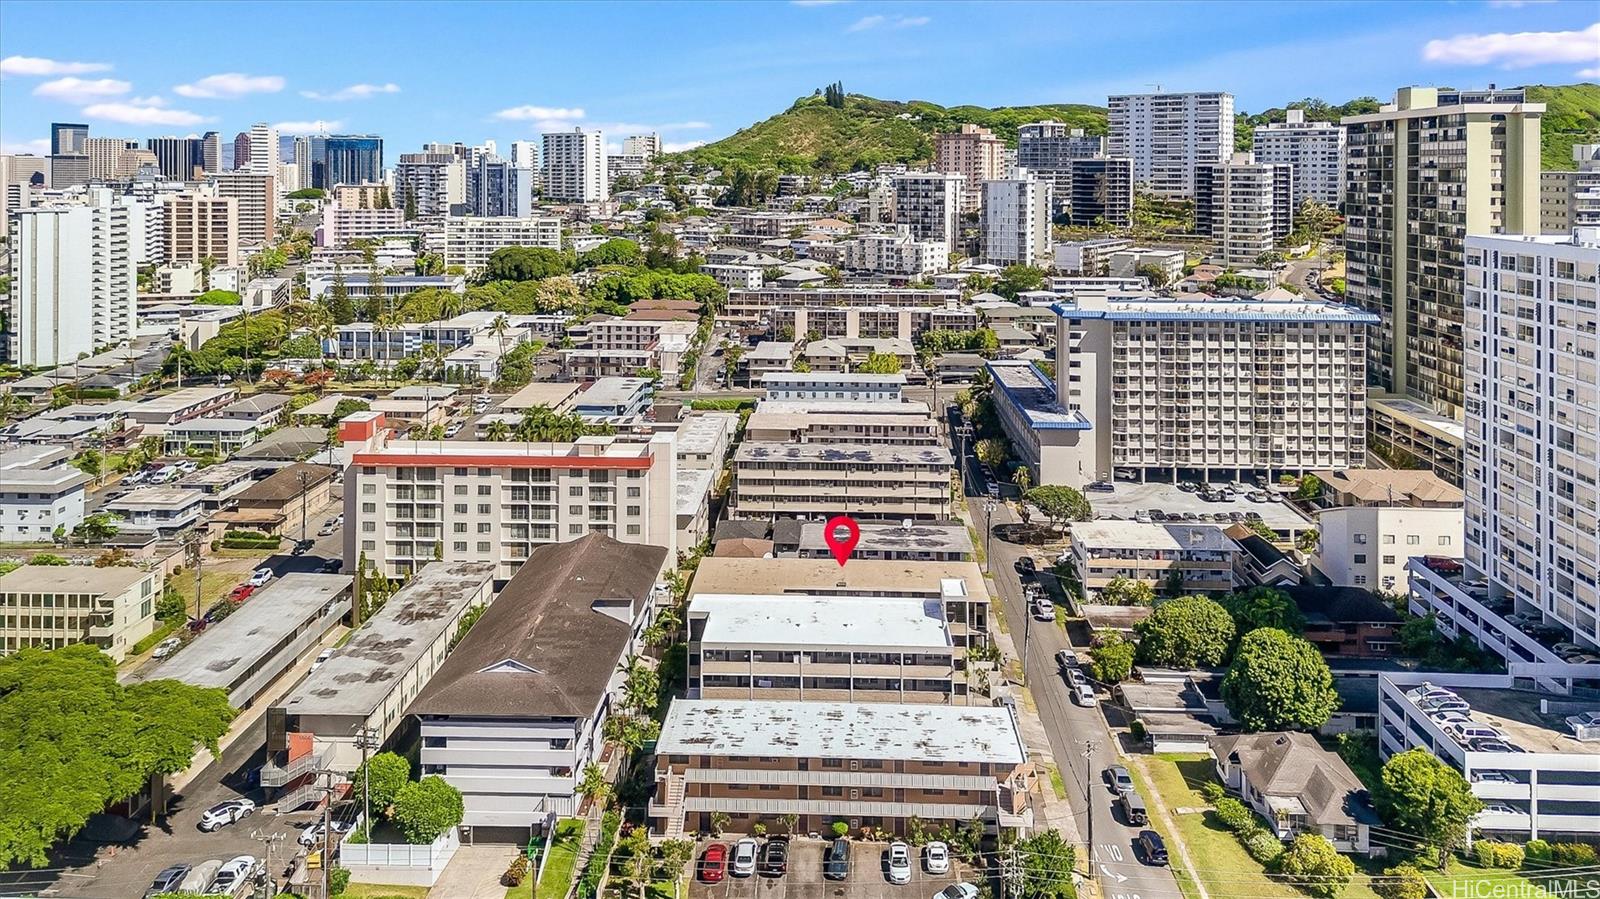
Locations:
{"points": [[467, 460]]}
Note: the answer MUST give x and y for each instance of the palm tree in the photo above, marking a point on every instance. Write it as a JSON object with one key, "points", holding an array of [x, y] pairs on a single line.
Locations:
{"points": [[498, 430], [207, 263], [498, 328]]}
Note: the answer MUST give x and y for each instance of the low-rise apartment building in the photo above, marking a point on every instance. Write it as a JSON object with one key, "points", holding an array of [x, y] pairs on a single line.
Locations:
{"points": [[925, 541], [802, 386], [861, 479], [894, 253], [1089, 257], [766, 357], [822, 648], [655, 339], [753, 304], [158, 413], [221, 436], [909, 429], [1369, 546], [864, 764], [50, 606], [469, 241], [407, 503], [157, 511], [39, 492], [852, 322], [1193, 558], [515, 713]]}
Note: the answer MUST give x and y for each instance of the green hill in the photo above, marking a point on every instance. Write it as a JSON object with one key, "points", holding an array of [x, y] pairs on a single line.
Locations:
{"points": [[813, 136]]}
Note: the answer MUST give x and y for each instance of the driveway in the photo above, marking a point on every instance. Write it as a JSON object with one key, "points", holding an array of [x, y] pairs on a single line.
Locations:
{"points": [[868, 877]]}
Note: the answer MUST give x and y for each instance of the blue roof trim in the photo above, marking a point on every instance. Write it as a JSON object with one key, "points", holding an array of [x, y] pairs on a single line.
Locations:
{"points": [[1080, 423], [1354, 316]]}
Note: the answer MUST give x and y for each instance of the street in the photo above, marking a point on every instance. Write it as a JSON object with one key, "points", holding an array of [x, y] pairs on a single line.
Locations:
{"points": [[1079, 737]]}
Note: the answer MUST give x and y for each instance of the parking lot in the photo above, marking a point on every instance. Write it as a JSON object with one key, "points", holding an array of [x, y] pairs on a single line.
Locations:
{"points": [[868, 877], [1130, 498]]}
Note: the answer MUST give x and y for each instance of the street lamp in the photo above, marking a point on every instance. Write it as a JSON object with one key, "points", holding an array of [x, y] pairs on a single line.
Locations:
{"points": [[988, 532]]}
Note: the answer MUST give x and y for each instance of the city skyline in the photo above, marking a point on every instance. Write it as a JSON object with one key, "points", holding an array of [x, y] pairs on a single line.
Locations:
{"points": [[703, 85]]}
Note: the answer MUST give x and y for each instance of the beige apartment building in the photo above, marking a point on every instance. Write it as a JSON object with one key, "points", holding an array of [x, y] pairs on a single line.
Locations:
{"points": [[50, 607], [197, 226], [619, 347], [1200, 556], [871, 765], [823, 648], [973, 152], [257, 203], [862, 479], [879, 427], [408, 503]]}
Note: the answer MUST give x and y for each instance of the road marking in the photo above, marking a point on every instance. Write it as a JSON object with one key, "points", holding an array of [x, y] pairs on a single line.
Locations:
{"points": [[1119, 877], [1112, 850]]}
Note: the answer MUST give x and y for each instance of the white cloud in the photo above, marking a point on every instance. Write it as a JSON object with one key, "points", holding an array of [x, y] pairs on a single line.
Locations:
{"points": [[81, 90], [867, 23], [143, 111], [318, 127], [35, 65], [1589, 73], [534, 113], [228, 85], [353, 92], [37, 146], [680, 146], [1517, 50]]}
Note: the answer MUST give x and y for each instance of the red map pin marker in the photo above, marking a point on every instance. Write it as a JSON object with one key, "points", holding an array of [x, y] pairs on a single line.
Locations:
{"points": [[841, 534]]}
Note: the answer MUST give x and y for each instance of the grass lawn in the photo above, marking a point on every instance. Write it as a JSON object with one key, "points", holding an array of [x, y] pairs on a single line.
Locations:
{"points": [[1225, 868], [214, 584], [563, 857], [1056, 783], [1465, 879], [384, 891]]}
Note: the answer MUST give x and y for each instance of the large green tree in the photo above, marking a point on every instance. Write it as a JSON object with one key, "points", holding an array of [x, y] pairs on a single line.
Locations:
{"points": [[880, 364], [1060, 503], [526, 264], [388, 773], [1016, 279], [1315, 866], [1111, 658], [1264, 607], [426, 808], [1188, 632], [1424, 797], [1125, 591], [616, 251], [1278, 682], [76, 740], [1047, 861]]}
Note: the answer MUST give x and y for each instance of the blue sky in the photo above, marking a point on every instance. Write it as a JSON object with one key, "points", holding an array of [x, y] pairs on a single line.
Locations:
{"points": [[416, 72]]}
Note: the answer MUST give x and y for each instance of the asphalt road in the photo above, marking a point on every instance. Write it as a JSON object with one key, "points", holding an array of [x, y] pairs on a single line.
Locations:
{"points": [[1079, 737]]}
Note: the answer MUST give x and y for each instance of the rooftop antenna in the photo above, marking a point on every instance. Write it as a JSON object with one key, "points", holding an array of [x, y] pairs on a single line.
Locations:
{"points": [[1154, 85]]}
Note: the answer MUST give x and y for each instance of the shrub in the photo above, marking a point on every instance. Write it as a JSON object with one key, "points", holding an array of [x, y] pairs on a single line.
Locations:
{"points": [[1401, 882], [839, 828], [1235, 815], [1572, 854], [1213, 792], [1263, 846], [516, 873], [595, 867], [1138, 731], [1317, 867], [1493, 854], [1537, 850], [338, 881]]}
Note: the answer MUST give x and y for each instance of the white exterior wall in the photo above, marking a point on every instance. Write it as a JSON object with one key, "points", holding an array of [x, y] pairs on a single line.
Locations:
{"points": [[1368, 546], [508, 770], [469, 241], [575, 166], [1314, 149], [1016, 221], [1167, 135], [73, 283], [263, 150]]}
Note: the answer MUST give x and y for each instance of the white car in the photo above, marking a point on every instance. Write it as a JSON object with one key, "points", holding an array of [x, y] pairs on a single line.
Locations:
{"points": [[225, 813], [322, 656], [1583, 719], [899, 862], [1044, 609], [233, 875], [744, 858], [453, 430], [166, 647], [936, 857], [1083, 695], [313, 835], [957, 891], [259, 577]]}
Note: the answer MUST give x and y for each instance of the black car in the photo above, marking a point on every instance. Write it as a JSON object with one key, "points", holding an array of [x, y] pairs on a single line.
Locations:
{"points": [[168, 880], [1151, 847], [1026, 565], [775, 858], [836, 861]]}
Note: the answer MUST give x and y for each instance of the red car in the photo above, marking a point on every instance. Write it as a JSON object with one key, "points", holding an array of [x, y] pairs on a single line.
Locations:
{"points": [[241, 593], [714, 863]]}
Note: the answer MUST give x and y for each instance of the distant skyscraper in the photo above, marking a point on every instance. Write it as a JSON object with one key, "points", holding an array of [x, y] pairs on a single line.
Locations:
{"points": [[929, 203], [974, 153], [525, 154], [264, 156], [104, 153], [346, 159], [431, 184], [1016, 221], [180, 158], [211, 152], [1315, 149], [67, 139], [1167, 135], [241, 151], [646, 145], [301, 154], [1245, 206], [69, 170], [575, 166]]}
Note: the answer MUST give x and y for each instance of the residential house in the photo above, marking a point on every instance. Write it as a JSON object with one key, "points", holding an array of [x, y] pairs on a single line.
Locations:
{"points": [[1298, 787]]}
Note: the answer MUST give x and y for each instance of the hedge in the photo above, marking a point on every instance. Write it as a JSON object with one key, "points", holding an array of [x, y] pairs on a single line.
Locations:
{"points": [[723, 404], [595, 867], [1263, 845], [1492, 854], [1235, 815]]}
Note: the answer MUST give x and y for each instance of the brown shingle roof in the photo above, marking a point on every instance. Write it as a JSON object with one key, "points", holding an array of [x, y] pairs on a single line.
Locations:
{"points": [[284, 484], [1294, 765]]}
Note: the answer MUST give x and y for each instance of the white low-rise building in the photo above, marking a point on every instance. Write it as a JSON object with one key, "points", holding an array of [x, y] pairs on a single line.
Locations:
{"points": [[894, 253], [1196, 558], [821, 386], [469, 241], [39, 492], [1369, 546]]}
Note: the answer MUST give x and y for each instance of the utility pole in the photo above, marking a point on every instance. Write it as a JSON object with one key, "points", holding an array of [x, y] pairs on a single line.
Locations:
{"points": [[988, 533], [197, 549], [327, 833], [305, 476], [1089, 746], [366, 740], [1027, 634], [267, 880]]}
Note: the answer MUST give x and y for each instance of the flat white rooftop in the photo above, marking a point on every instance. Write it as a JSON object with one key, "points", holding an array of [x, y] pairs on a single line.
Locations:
{"points": [[772, 619], [1165, 537], [841, 407], [841, 730], [1200, 307]]}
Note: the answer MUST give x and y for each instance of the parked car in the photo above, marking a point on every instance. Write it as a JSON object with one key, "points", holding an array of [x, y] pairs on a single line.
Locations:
{"points": [[233, 875], [224, 813], [168, 881], [1066, 660], [1026, 566], [332, 566], [957, 891], [1044, 609], [1119, 779], [836, 860], [166, 647], [1428, 691], [315, 834], [744, 858], [713, 863], [1143, 518], [1565, 649], [453, 430], [936, 857], [1158, 515], [899, 862], [260, 576], [1583, 658], [1583, 719], [322, 656], [1102, 487], [241, 592], [775, 858], [199, 877], [1151, 848], [1500, 808], [1083, 695], [1133, 810]]}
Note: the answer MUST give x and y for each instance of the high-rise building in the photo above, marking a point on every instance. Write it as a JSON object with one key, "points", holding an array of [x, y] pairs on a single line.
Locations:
{"points": [[1048, 149], [1409, 204], [1315, 149], [1570, 200], [1016, 221], [180, 158], [68, 170], [1245, 206], [303, 168], [575, 166], [241, 151], [264, 156], [502, 189], [211, 152], [929, 203], [646, 145], [346, 159], [256, 199], [67, 139], [104, 155], [73, 280], [145, 233], [1167, 135], [1101, 192], [432, 184], [525, 154], [197, 225], [973, 152], [1532, 458]]}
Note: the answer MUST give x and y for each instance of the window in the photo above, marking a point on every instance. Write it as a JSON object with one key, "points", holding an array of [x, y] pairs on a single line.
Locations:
{"points": [[369, 508], [574, 491], [459, 527], [1413, 539], [1444, 540], [483, 508], [461, 489], [633, 530], [1360, 579], [484, 527], [485, 490], [368, 545], [369, 489], [1361, 539], [368, 527], [633, 493], [1388, 560], [483, 546], [461, 508], [1359, 559], [1388, 538], [460, 546], [574, 529], [633, 510]]}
